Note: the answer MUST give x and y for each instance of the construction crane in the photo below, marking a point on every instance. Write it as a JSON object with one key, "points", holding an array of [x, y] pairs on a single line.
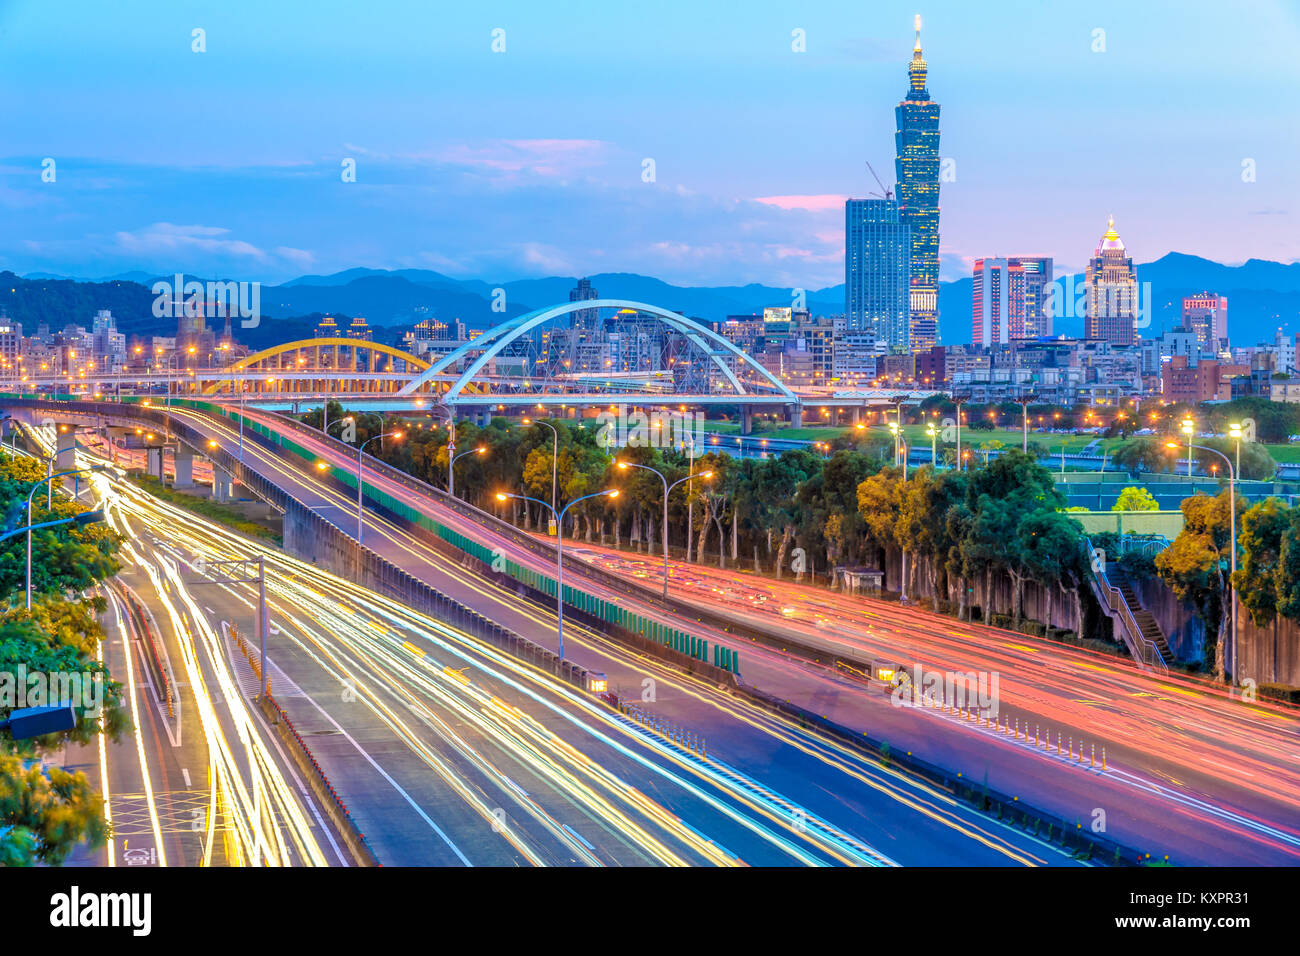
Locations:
{"points": [[888, 193]]}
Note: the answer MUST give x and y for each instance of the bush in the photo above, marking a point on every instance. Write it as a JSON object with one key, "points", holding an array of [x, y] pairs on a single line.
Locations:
{"points": [[1283, 692]]}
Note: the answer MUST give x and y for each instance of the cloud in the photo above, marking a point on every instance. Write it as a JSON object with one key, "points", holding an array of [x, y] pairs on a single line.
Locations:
{"points": [[539, 157], [823, 203]]}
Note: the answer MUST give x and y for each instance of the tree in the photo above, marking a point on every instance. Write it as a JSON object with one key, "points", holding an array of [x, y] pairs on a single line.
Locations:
{"points": [[1143, 454], [1136, 499], [1259, 540], [1194, 566]]}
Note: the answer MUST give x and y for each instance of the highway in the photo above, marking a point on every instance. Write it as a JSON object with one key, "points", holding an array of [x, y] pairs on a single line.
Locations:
{"points": [[1157, 794], [450, 752]]}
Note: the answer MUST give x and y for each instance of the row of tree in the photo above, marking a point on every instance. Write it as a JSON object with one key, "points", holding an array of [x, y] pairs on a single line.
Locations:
{"points": [[957, 532], [46, 811]]}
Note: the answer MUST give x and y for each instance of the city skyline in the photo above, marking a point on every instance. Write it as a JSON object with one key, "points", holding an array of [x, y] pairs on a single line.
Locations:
{"points": [[755, 146]]}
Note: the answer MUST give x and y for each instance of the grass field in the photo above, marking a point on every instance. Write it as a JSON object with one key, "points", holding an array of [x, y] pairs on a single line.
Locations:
{"points": [[972, 438]]}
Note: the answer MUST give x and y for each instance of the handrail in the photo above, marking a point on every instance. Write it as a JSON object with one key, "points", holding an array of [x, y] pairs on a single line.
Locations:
{"points": [[1142, 649]]}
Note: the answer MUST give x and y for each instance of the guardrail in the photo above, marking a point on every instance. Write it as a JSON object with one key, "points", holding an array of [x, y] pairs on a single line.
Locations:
{"points": [[1143, 651]]}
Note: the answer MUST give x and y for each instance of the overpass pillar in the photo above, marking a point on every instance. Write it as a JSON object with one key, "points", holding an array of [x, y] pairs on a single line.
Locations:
{"points": [[65, 448], [857, 415], [746, 420], [223, 484], [154, 461], [183, 465]]}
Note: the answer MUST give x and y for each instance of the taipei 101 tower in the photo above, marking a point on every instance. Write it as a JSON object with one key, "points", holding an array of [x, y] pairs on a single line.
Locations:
{"points": [[917, 169]]}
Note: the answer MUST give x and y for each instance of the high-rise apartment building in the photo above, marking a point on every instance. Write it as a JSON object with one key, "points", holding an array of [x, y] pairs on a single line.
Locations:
{"points": [[917, 168], [1009, 300], [1206, 314], [1112, 292], [877, 269], [585, 321]]}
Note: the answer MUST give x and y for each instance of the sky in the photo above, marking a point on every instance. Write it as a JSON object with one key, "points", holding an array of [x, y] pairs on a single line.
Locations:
{"points": [[125, 148]]}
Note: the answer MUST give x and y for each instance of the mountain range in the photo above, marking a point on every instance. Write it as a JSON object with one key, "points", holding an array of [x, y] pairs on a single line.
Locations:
{"points": [[1262, 296]]}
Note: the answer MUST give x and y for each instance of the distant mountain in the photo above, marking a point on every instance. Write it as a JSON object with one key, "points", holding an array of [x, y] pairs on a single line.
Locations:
{"points": [[1262, 295]]}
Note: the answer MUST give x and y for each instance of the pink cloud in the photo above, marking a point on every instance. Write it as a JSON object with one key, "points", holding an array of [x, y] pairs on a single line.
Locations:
{"points": [[806, 203]]}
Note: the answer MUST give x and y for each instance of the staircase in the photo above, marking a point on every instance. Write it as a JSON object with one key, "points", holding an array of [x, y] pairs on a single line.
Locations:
{"points": [[1144, 640], [1146, 622]]}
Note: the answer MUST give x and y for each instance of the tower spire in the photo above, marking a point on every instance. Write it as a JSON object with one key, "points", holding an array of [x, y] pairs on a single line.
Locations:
{"points": [[916, 70]]}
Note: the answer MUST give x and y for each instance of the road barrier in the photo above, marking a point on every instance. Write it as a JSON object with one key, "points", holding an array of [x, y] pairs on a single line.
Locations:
{"points": [[326, 795]]}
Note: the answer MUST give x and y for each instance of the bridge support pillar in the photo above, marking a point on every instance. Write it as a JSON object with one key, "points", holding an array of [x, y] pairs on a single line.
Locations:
{"points": [[65, 448], [154, 461], [223, 484], [183, 465], [857, 415], [746, 420]]}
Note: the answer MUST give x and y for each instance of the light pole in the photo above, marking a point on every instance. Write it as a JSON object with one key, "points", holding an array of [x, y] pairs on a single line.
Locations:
{"points": [[934, 445], [668, 489], [1232, 519], [451, 467], [559, 548], [1024, 421], [1233, 430], [958, 402], [893, 427], [360, 449], [555, 456], [1189, 429], [62, 474]]}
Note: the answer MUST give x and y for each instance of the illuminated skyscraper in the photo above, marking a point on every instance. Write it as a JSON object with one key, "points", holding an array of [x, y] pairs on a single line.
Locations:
{"points": [[1009, 300], [1207, 315], [1111, 281], [917, 169], [877, 251]]}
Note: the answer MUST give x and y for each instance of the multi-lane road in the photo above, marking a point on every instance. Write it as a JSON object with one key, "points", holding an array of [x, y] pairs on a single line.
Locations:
{"points": [[448, 751], [1234, 801]]}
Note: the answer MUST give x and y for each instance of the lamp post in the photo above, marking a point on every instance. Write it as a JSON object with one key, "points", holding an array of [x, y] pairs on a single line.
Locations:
{"points": [[555, 456], [934, 445], [668, 489], [559, 549], [360, 449], [1233, 430], [959, 401], [1189, 429], [451, 466], [46, 480], [1232, 525]]}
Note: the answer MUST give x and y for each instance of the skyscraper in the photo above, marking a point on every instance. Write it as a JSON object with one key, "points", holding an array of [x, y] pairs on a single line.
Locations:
{"points": [[1009, 299], [1111, 282], [917, 169], [877, 254]]}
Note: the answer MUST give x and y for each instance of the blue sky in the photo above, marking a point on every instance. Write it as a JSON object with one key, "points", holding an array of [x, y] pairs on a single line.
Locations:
{"points": [[529, 162]]}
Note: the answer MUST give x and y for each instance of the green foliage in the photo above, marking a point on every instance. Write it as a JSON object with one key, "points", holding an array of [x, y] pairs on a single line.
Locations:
{"points": [[1194, 565], [45, 811], [1136, 499]]}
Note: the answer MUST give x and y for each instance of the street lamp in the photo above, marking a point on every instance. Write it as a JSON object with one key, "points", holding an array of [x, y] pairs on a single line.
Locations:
{"points": [[559, 548], [1232, 519], [555, 456], [1234, 431], [624, 465], [934, 446], [1189, 429], [451, 467], [28, 529], [360, 449]]}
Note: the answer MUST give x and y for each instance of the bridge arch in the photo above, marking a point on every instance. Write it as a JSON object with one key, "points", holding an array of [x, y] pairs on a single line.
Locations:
{"points": [[304, 345], [720, 352]]}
